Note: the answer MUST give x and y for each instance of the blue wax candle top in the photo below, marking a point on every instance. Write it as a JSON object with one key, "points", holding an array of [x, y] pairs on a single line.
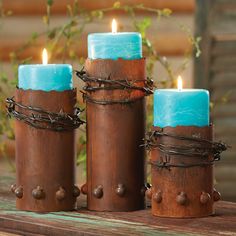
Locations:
{"points": [[115, 45], [186, 107], [48, 77]]}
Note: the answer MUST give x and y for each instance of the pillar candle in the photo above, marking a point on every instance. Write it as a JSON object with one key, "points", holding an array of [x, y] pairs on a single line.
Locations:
{"points": [[45, 77], [181, 107], [114, 45]]}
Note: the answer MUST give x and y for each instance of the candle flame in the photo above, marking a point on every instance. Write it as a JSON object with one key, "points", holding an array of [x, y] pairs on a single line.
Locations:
{"points": [[45, 57], [114, 26], [180, 83]]}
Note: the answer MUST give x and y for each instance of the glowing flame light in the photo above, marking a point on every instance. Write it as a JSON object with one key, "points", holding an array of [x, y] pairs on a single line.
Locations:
{"points": [[114, 26], [45, 57], [180, 83]]}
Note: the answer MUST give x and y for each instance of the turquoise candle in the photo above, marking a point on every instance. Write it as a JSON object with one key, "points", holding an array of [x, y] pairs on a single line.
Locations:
{"points": [[115, 45], [126, 45], [185, 107], [47, 77]]}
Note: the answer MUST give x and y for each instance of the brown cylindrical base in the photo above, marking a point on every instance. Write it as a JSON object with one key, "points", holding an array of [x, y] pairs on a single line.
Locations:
{"points": [[115, 160], [45, 158], [182, 192]]}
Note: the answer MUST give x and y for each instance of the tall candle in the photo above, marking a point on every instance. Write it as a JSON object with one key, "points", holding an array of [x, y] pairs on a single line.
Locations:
{"points": [[114, 45], [181, 107], [46, 77]]}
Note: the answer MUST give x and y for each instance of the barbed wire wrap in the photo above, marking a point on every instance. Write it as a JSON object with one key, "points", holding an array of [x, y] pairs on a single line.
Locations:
{"points": [[199, 148], [109, 84], [42, 119]]}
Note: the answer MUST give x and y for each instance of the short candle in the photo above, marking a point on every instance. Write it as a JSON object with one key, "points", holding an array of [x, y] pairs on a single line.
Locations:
{"points": [[114, 45], [45, 77], [181, 107]]}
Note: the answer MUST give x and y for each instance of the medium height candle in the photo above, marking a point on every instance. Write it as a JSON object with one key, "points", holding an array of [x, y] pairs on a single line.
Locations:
{"points": [[45, 77], [181, 107], [114, 45]]}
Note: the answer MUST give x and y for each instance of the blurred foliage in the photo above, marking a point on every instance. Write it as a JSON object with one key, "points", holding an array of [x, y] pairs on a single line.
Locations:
{"points": [[63, 41]]}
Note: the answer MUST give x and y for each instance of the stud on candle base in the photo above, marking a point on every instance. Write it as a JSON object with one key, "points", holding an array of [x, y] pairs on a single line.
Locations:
{"points": [[182, 161], [45, 150]]}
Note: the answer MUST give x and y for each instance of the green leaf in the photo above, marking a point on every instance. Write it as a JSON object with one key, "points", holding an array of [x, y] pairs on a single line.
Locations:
{"points": [[129, 9], [143, 25], [34, 35], [50, 2], [116, 5], [75, 8], [97, 13], [3, 78], [52, 34]]}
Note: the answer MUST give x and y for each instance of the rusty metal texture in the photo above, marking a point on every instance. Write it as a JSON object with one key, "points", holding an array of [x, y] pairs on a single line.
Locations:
{"points": [[115, 130], [44, 158], [185, 189]]}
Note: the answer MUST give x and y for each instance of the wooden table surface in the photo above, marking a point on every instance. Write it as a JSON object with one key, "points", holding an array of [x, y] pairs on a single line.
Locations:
{"points": [[84, 222]]}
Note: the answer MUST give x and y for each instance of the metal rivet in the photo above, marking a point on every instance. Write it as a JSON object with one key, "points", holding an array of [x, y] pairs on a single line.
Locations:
{"points": [[205, 197], [76, 191], [84, 189], [149, 193], [120, 190], [60, 194], [19, 192], [157, 197], [182, 198], [216, 195], [38, 193], [98, 191], [13, 188]]}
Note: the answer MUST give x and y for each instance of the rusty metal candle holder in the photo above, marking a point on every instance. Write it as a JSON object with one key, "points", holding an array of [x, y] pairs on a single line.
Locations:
{"points": [[45, 149], [114, 95], [182, 161]]}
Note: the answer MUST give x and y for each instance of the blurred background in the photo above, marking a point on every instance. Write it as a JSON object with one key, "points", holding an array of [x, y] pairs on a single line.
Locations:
{"points": [[172, 33]]}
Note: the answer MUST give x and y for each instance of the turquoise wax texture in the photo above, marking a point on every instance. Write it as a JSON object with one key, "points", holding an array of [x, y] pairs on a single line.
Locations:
{"points": [[48, 77], [115, 45], [186, 107]]}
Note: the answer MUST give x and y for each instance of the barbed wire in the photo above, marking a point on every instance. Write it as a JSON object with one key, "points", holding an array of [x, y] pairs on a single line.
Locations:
{"points": [[42, 119], [95, 84], [199, 148]]}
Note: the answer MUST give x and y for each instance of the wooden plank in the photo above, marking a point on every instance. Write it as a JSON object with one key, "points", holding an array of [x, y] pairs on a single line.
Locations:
{"points": [[226, 78], [8, 234], [92, 223], [219, 93], [201, 64], [227, 190], [223, 44], [224, 6], [166, 44], [225, 173], [225, 126], [25, 7], [223, 63], [225, 110], [228, 158]]}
